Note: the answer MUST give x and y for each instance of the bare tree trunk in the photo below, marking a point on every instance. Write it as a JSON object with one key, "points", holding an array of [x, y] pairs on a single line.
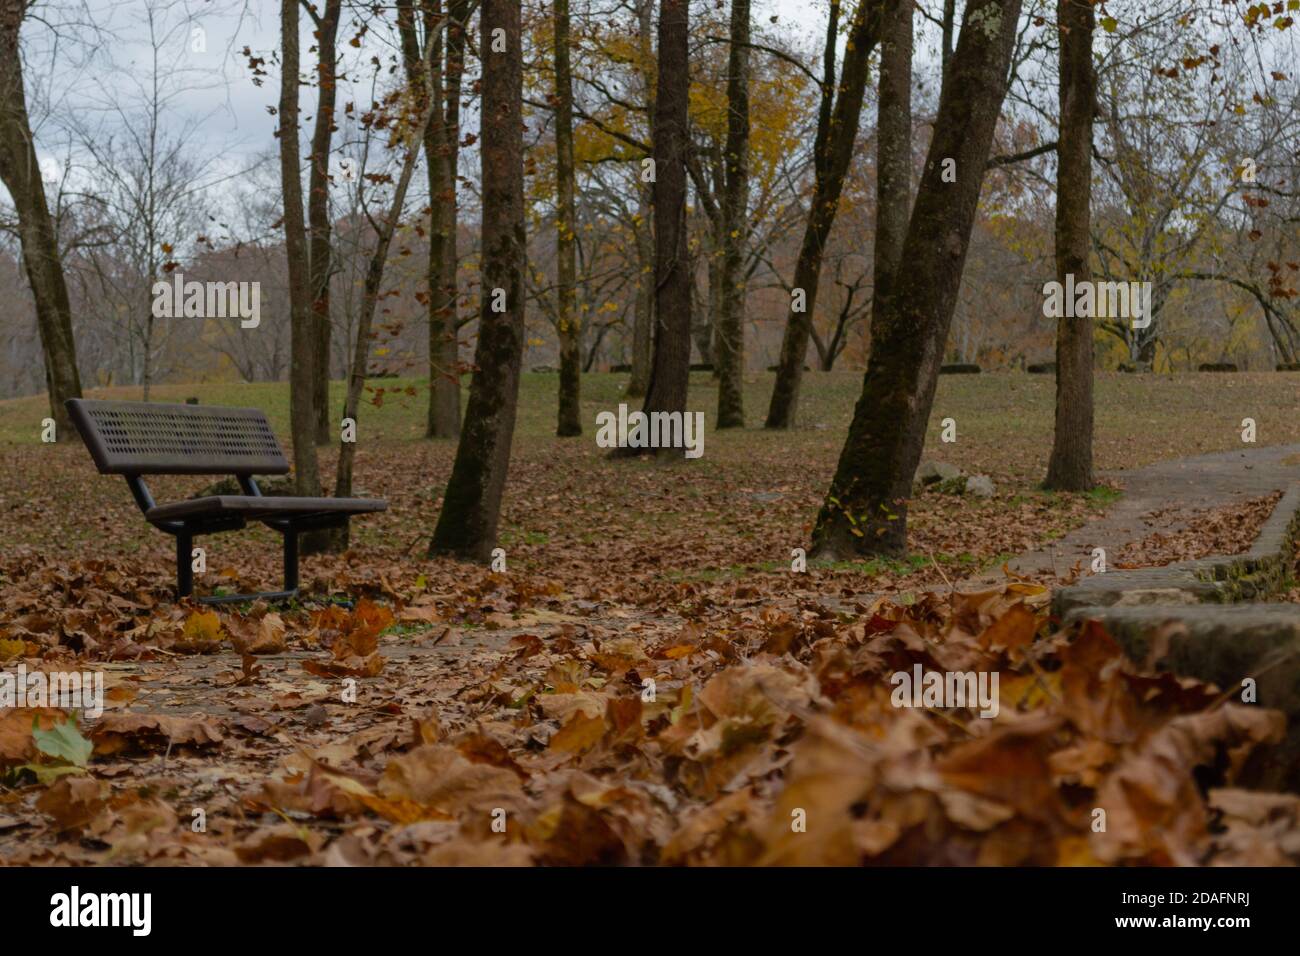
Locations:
{"points": [[948, 28], [318, 210], [893, 148], [570, 324], [1070, 466], [730, 352], [369, 301], [709, 250], [302, 383], [670, 364], [471, 509], [21, 175], [435, 151], [643, 318], [709, 303], [866, 508], [443, 138], [837, 129]]}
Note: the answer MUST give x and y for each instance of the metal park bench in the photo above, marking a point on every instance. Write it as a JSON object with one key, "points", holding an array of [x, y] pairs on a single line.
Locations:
{"points": [[134, 439]]}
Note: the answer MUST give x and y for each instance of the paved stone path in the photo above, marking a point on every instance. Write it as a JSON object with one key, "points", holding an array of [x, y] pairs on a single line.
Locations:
{"points": [[1174, 487]]}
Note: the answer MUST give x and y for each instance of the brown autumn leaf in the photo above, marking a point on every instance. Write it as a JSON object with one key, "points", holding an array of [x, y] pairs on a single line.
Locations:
{"points": [[481, 748], [1014, 630], [136, 733], [834, 768], [73, 801], [1083, 762], [623, 716], [282, 843], [569, 832], [718, 834], [563, 706], [250, 671], [369, 666], [462, 852], [1095, 696], [267, 636], [525, 645], [437, 776], [761, 693], [16, 743], [579, 734], [397, 810], [1011, 765], [315, 792], [370, 619], [420, 614], [123, 695]]}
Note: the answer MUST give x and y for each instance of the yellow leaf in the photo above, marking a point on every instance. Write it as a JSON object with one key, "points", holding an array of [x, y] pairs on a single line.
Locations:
{"points": [[202, 628], [579, 734]]}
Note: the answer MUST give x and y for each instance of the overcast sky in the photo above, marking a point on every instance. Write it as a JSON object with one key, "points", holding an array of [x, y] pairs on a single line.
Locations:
{"points": [[74, 83]]}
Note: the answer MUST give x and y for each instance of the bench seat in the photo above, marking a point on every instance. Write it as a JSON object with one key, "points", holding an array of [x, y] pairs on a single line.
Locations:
{"points": [[254, 507], [134, 439]]}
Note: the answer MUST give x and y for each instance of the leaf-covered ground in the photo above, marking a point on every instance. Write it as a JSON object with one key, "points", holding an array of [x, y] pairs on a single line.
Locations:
{"points": [[647, 683], [500, 719], [1230, 529]]}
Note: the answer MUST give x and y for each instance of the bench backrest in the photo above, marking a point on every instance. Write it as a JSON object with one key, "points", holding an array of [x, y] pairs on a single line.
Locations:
{"points": [[145, 438]]}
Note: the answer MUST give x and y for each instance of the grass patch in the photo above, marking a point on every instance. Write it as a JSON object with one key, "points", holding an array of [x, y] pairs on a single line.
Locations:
{"points": [[740, 508]]}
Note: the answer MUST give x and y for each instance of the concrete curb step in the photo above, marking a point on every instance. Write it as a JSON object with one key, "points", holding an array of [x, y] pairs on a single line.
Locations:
{"points": [[1222, 631], [1223, 579]]}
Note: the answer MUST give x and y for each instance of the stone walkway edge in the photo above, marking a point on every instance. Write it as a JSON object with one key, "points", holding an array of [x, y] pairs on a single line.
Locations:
{"points": [[1209, 619]]}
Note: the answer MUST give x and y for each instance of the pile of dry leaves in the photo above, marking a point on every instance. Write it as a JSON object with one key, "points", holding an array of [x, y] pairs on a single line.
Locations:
{"points": [[468, 717]]}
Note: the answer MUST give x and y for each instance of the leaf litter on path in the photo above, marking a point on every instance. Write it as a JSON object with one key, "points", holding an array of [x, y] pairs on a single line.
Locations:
{"points": [[670, 722]]}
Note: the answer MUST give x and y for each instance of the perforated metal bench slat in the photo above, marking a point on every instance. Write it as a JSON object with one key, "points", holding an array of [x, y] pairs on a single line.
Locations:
{"points": [[141, 438]]}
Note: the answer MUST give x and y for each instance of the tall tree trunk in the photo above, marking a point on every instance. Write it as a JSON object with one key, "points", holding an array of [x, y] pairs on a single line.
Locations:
{"points": [[704, 317], [369, 302], [730, 357], [302, 383], [643, 318], [318, 210], [948, 27], [866, 508], [424, 73], [837, 129], [893, 148], [443, 138], [471, 509], [1070, 466], [670, 363], [21, 175], [566, 267], [706, 303]]}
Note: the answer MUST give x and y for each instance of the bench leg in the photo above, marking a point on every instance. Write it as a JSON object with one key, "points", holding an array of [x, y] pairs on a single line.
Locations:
{"points": [[291, 560], [184, 569]]}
